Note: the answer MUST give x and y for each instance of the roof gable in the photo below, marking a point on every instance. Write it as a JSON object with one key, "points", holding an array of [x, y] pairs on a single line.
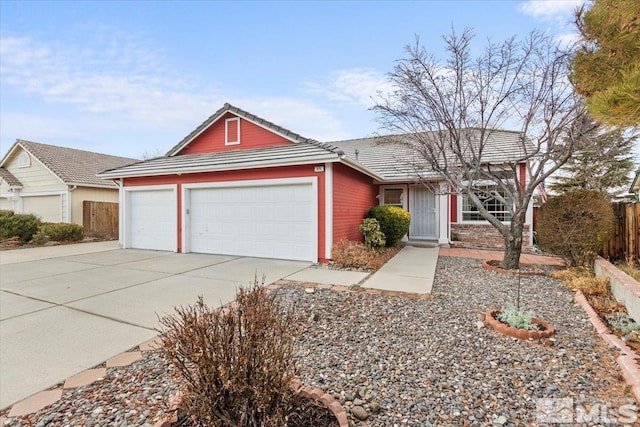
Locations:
{"points": [[254, 132], [71, 166]]}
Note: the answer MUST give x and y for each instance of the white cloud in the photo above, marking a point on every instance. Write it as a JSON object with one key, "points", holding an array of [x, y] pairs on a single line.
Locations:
{"points": [[114, 73], [353, 86], [550, 9]]}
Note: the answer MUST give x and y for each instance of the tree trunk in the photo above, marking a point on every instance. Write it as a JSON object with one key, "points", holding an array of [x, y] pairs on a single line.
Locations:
{"points": [[513, 245]]}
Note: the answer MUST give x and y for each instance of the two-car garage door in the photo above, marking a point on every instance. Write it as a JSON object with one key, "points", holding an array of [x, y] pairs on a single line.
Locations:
{"points": [[269, 219]]}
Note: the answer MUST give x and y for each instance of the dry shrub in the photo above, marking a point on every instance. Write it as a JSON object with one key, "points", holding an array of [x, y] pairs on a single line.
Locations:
{"points": [[236, 362], [591, 285], [575, 225], [597, 290], [350, 254]]}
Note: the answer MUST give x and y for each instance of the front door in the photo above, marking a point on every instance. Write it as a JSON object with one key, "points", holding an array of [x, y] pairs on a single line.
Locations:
{"points": [[424, 216]]}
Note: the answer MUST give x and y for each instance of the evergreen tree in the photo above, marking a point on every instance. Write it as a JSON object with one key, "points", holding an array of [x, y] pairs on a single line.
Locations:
{"points": [[602, 162], [606, 69]]}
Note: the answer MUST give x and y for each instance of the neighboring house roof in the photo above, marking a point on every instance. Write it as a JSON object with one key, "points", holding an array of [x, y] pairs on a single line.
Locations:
{"points": [[72, 166], [8, 177], [394, 159], [293, 154], [635, 184], [228, 108]]}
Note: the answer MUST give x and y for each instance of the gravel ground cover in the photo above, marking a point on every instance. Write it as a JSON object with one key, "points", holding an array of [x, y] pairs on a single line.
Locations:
{"points": [[402, 362]]}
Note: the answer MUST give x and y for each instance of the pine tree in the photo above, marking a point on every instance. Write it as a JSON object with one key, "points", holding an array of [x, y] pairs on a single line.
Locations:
{"points": [[606, 70], [602, 162]]}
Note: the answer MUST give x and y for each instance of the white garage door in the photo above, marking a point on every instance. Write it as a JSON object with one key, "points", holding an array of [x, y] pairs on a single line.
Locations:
{"points": [[48, 208], [151, 220], [268, 221]]}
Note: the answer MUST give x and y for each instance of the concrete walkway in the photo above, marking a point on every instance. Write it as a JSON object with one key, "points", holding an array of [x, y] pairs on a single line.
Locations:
{"points": [[411, 270]]}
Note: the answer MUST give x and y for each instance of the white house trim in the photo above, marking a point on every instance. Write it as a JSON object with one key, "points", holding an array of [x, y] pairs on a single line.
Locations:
{"points": [[328, 208], [443, 214]]}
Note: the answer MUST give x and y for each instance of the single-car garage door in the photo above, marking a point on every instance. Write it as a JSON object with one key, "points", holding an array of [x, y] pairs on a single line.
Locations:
{"points": [[151, 219], [48, 208], [269, 221]]}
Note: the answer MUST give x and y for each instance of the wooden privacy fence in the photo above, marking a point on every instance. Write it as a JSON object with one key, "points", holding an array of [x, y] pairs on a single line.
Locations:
{"points": [[100, 219], [625, 241]]}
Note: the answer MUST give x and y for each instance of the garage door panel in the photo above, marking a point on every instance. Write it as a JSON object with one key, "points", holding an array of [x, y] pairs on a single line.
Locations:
{"points": [[273, 221], [151, 220]]}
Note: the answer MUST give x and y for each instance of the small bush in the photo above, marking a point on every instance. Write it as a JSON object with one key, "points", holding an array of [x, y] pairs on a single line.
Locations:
{"points": [[373, 237], [236, 362], [623, 323], [5, 213], [575, 225], [394, 222], [517, 319], [23, 226], [350, 254], [59, 231]]}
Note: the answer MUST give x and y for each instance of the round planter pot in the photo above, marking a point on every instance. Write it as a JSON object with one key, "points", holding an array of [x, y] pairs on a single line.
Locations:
{"points": [[546, 330], [494, 265], [323, 398]]}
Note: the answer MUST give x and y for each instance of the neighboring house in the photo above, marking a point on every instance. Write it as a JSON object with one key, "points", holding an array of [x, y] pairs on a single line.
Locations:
{"points": [[241, 185], [53, 182]]}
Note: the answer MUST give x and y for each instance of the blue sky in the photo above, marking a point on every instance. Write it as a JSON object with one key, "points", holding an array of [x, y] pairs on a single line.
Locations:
{"points": [[134, 77]]}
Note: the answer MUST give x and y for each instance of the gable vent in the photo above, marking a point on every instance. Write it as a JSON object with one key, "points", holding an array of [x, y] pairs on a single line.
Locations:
{"points": [[232, 131]]}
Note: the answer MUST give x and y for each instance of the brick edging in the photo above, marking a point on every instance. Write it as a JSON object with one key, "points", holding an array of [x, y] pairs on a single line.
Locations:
{"points": [[627, 358], [523, 334]]}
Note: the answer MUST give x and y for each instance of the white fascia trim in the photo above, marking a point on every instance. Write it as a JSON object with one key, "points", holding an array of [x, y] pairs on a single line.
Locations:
{"points": [[443, 214], [310, 180], [224, 168], [43, 193], [328, 210], [106, 185], [357, 166], [125, 209]]}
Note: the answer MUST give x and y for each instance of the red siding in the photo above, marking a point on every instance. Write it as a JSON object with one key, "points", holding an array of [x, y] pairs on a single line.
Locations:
{"points": [[251, 136], [353, 195], [523, 176], [241, 175]]}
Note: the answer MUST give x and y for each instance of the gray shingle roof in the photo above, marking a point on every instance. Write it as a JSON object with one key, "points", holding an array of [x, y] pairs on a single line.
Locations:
{"points": [[228, 160], [8, 177], [74, 166], [292, 136], [393, 157]]}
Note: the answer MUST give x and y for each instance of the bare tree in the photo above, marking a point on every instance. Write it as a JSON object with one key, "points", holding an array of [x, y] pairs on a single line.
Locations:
{"points": [[448, 113]]}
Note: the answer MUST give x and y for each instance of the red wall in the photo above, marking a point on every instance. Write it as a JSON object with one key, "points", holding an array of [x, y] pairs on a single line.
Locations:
{"points": [[251, 136], [353, 195], [241, 175]]}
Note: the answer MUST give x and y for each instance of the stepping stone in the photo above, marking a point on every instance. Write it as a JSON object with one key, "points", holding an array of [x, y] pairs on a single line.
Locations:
{"points": [[124, 359], [35, 402], [85, 378]]}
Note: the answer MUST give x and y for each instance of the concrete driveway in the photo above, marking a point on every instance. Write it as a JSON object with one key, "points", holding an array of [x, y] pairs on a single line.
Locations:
{"points": [[64, 309]]}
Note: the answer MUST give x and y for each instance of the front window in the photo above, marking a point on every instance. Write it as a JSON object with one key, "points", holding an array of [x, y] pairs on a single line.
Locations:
{"points": [[393, 196], [488, 195]]}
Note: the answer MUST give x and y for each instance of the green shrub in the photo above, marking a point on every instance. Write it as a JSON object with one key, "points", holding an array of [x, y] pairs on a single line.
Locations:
{"points": [[394, 222], [59, 231], [23, 226], [517, 319], [373, 237], [575, 225], [5, 213], [236, 362]]}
